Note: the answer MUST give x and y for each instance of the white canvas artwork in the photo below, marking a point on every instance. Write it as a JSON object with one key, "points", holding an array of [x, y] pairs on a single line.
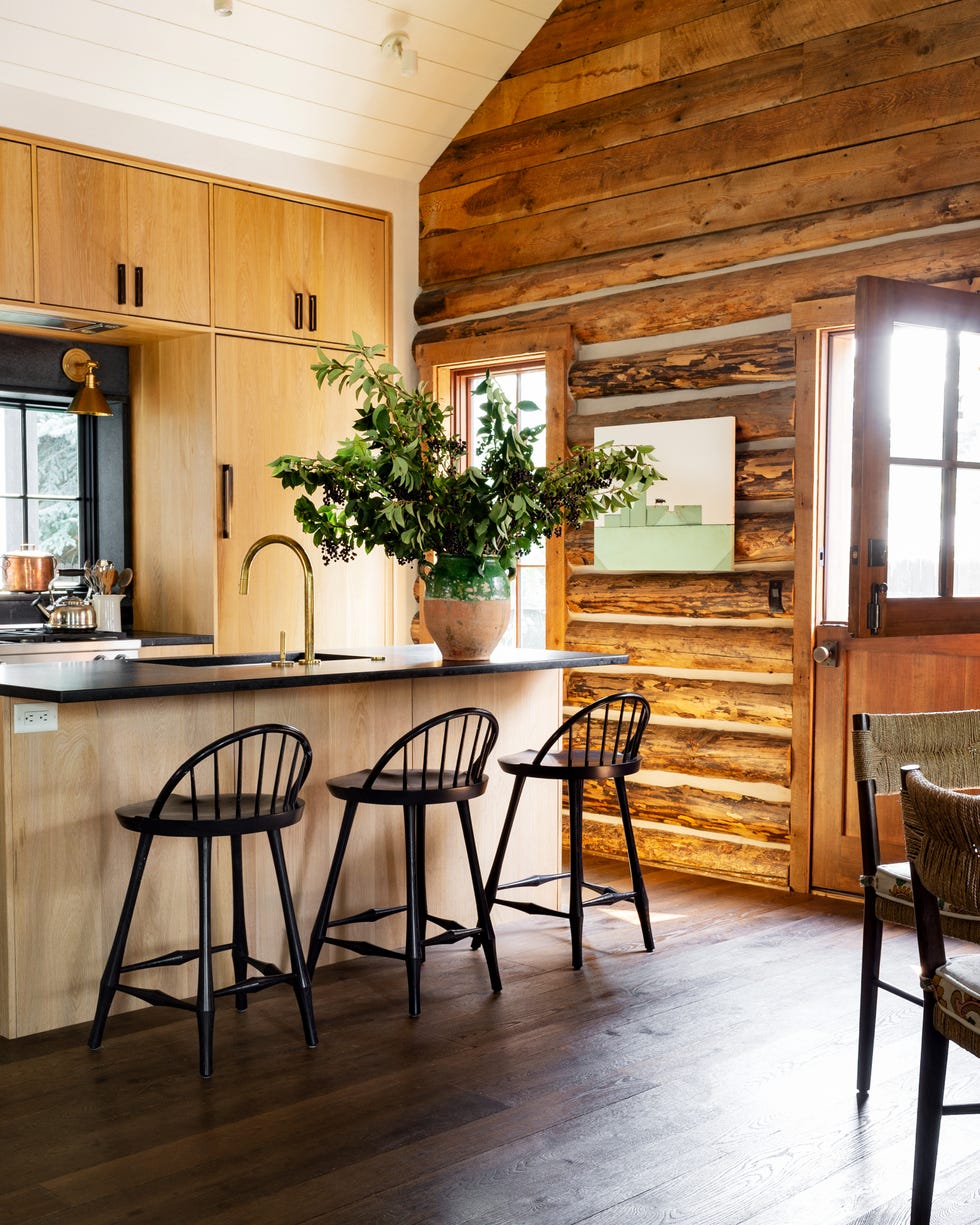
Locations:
{"points": [[687, 520]]}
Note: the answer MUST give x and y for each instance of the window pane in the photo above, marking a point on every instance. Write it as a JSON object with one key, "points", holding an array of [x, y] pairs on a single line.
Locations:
{"points": [[837, 518], [918, 381], [531, 594], [11, 459], [914, 522], [966, 538], [968, 430], [54, 526], [52, 453]]}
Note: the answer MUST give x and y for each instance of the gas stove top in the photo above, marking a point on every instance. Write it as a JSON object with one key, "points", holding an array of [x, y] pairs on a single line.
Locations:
{"points": [[44, 633]]}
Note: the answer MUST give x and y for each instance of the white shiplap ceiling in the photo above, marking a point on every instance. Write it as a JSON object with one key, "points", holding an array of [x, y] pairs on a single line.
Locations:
{"points": [[305, 77]]}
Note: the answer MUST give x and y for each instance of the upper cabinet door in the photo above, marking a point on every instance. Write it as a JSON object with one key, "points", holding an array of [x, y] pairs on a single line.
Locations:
{"points": [[17, 231], [115, 238], [356, 254], [285, 268]]}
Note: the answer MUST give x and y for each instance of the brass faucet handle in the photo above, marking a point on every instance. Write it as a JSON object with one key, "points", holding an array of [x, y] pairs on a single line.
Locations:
{"points": [[282, 661]]}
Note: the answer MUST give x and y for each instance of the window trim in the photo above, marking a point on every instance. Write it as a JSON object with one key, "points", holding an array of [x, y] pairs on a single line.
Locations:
{"points": [[555, 345]]}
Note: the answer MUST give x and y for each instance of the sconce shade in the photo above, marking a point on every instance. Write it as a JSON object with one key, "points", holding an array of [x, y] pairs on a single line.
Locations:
{"points": [[89, 400]]}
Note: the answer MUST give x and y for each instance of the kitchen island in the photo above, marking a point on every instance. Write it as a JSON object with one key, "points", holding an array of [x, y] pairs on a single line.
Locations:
{"points": [[109, 732]]}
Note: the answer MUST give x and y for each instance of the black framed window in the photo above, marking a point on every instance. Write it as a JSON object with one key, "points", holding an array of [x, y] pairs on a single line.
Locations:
{"points": [[47, 477]]}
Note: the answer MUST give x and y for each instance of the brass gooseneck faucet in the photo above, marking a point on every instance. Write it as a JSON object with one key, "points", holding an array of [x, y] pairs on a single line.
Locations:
{"points": [[309, 657]]}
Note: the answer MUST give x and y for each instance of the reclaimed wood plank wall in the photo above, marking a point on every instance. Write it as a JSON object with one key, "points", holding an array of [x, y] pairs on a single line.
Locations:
{"points": [[670, 180]]}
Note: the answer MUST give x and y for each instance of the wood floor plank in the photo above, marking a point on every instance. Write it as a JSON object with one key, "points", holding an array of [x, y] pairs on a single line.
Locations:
{"points": [[709, 1082]]}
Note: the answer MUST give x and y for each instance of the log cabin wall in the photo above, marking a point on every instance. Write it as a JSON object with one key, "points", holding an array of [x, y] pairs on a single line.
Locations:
{"points": [[670, 179]]}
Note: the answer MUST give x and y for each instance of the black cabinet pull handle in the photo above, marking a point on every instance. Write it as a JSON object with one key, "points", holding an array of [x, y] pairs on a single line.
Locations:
{"points": [[227, 489], [121, 284], [312, 312], [298, 311], [138, 285]]}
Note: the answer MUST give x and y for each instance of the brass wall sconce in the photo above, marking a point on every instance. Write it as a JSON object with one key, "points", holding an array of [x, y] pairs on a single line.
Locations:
{"points": [[89, 400]]}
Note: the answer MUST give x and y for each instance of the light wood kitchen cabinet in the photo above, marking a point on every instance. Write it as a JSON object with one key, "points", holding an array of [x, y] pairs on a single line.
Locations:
{"points": [[17, 231], [287, 268], [123, 239], [268, 404]]}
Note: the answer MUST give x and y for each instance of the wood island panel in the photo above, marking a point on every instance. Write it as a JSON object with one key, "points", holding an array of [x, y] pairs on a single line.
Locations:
{"points": [[65, 859]]}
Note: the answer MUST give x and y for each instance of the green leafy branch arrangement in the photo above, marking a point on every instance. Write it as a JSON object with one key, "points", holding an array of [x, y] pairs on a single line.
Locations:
{"points": [[398, 484]]}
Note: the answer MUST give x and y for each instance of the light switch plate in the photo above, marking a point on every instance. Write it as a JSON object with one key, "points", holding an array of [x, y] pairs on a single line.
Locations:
{"points": [[35, 716]]}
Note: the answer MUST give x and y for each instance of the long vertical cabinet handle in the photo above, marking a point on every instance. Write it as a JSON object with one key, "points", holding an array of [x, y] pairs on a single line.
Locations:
{"points": [[138, 284], [227, 490], [312, 312], [298, 312], [121, 284]]}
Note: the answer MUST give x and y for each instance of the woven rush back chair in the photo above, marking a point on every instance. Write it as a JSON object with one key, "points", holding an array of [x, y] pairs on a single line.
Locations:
{"points": [[942, 834], [946, 744]]}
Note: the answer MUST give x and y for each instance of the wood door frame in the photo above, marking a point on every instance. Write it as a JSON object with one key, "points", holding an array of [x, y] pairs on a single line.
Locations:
{"points": [[809, 321], [556, 345]]}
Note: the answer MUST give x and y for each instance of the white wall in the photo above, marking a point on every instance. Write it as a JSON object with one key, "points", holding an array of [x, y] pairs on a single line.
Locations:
{"points": [[44, 115]]}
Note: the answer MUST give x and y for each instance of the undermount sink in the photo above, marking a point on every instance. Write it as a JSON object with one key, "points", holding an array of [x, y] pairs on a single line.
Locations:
{"points": [[241, 661]]}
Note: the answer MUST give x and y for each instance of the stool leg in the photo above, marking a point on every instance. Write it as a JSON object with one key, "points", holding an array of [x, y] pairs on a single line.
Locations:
{"points": [[423, 896], [413, 939], [636, 875], [239, 935], [322, 920], [576, 909], [110, 975], [487, 938], [205, 978], [493, 880], [301, 979]]}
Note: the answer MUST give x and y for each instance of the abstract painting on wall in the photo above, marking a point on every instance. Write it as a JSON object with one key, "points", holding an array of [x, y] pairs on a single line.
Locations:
{"points": [[687, 520]]}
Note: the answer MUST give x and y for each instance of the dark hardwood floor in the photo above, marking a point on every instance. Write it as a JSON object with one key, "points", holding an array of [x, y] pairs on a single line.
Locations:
{"points": [[709, 1082]]}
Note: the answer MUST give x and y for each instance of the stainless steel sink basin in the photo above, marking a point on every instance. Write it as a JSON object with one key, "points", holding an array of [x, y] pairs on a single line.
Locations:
{"points": [[240, 661]]}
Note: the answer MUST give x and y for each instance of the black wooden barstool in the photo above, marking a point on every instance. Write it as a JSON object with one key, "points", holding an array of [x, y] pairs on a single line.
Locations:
{"points": [[601, 741], [441, 761], [245, 783]]}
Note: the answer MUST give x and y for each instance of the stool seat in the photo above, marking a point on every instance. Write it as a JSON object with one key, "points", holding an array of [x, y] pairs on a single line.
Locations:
{"points": [[564, 765], [397, 788], [244, 783], [175, 818], [599, 742], [441, 761]]}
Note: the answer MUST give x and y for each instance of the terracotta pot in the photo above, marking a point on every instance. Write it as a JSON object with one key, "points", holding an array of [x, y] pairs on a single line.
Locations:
{"points": [[467, 606], [27, 569]]}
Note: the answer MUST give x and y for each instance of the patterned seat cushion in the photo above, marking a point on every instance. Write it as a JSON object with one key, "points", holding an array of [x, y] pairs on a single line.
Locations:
{"points": [[957, 987], [893, 881]]}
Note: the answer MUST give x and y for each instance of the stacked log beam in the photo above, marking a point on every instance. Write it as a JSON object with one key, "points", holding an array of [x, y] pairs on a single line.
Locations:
{"points": [[670, 181]]}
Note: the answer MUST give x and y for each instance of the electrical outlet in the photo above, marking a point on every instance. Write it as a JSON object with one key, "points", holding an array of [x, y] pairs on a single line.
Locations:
{"points": [[35, 717]]}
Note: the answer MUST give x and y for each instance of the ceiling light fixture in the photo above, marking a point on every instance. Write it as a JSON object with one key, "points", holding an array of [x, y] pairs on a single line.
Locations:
{"points": [[89, 400], [394, 46], [223, 7]]}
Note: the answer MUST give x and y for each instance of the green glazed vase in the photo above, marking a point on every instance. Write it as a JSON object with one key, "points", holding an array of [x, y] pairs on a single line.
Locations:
{"points": [[467, 605]]}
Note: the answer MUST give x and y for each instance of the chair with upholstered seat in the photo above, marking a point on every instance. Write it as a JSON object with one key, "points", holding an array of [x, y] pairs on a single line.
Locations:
{"points": [[942, 835], [599, 742], [247, 782], [440, 761], [947, 746]]}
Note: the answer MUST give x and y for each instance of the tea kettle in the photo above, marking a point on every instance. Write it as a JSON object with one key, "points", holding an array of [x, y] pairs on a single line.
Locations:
{"points": [[70, 612]]}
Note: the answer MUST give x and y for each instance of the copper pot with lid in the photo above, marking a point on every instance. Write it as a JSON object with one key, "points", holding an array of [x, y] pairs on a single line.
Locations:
{"points": [[27, 569]]}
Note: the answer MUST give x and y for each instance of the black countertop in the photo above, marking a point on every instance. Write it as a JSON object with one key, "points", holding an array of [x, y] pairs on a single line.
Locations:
{"points": [[112, 679]]}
